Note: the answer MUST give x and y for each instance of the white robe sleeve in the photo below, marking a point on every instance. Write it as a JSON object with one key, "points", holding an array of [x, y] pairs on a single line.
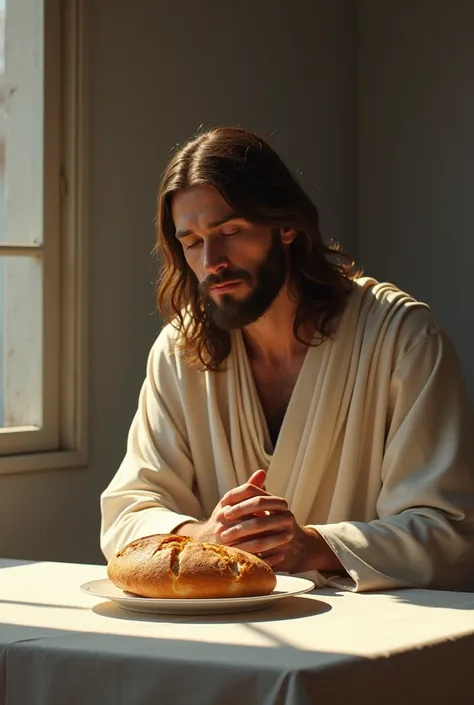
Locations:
{"points": [[424, 533], [152, 492]]}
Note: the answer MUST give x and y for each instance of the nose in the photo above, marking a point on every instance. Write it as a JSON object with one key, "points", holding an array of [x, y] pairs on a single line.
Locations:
{"points": [[214, 257]]}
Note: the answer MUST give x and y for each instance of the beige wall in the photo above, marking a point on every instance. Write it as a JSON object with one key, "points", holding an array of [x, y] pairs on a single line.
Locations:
{"points": [[158, 70], [416, 155]]}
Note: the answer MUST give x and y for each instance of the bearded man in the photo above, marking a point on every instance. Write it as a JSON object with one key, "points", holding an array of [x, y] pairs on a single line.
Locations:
{"points": [[292, 407]]}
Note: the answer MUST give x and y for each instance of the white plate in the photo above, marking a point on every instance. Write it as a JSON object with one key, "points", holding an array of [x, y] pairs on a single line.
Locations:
{"points": [[286, 586]]}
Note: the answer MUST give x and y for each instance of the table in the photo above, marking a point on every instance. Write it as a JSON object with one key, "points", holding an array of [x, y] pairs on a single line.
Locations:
{"points": [[59, 646]]}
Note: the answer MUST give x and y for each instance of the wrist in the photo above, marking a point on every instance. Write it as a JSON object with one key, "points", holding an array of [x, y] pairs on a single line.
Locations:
{"points": [[316, 553], [193, 529]]}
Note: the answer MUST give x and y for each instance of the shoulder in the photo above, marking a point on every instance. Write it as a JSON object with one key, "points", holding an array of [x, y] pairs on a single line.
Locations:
{"points": [[394, 316], [165, 359], [167, 342]]}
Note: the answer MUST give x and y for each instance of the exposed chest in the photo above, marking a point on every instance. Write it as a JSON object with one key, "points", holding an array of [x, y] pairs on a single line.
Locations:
{"points": [[275, 387]]}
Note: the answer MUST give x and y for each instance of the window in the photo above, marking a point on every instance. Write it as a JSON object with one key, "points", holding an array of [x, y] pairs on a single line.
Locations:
{"points": [[42, 235]]}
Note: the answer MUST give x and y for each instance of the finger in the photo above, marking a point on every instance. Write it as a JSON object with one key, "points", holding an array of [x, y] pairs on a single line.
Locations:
{"points": [[259, 505], [256, 481], [273, 559], [262, 544], [238, 494], [258, 478], [282, 522]]}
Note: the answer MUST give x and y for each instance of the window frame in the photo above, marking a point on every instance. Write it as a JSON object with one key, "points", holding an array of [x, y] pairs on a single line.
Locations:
{"points": [[64, 254]]}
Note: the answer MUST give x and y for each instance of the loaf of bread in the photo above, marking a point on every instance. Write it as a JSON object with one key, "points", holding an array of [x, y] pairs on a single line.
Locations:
{"points": [[171, 566]]}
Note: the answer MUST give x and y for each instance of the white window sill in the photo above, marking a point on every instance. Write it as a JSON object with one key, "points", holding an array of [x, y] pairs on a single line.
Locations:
{"points": [[53, 460]]}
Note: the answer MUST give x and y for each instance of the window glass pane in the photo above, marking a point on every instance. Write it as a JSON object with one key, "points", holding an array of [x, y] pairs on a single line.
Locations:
{"points": [[21, 121], [21, 320]]}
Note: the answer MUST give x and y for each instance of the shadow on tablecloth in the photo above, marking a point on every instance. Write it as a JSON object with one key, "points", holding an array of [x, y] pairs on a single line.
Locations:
{"points": [[287, 608]]}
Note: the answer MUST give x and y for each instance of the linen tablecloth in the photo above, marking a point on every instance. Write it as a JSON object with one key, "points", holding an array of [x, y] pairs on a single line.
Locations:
{"points": [[59, 646]]}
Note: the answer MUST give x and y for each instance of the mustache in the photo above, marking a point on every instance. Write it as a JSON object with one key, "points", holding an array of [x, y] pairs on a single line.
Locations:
{"points": [[228, 276]]}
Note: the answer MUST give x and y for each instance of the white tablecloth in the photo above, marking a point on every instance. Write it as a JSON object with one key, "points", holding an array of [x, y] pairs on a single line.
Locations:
{"points": [[59, 646]]}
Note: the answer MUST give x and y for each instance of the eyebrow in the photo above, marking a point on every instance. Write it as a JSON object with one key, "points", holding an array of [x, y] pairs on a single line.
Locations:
{"points": [[214, 224]]}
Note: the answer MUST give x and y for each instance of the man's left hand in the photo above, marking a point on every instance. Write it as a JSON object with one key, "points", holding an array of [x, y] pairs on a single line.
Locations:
{"points": [[256, 512]]}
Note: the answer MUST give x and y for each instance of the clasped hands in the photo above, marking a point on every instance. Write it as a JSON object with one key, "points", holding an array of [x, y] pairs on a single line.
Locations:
{"points": [[250, 518]]}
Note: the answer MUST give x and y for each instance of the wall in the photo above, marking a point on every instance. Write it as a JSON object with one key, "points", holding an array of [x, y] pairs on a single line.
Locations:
{"points": [[157, 72], [416, 155]]}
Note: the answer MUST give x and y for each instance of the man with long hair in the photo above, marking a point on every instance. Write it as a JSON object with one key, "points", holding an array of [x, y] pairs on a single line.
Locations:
{"points": [[292, 407]]}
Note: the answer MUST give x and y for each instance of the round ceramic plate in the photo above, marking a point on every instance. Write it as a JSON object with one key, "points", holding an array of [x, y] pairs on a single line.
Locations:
{"points": [[287, 586]]}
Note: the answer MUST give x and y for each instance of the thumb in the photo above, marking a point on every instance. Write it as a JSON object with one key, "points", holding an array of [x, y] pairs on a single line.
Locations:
{"points": [[258, 479]]}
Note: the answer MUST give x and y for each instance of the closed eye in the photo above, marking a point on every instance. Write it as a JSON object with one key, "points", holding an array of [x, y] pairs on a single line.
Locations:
{"points": [[189, 246], [232, 233]]}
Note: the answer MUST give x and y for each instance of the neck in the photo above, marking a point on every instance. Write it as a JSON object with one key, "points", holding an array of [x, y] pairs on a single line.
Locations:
{"points": [[271, 340]]}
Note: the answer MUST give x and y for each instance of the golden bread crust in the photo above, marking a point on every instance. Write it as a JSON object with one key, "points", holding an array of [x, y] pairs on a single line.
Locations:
{"points": [[177, 567]]}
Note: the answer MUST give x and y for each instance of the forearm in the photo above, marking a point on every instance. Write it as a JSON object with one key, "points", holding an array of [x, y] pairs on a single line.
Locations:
{"points": [[414, 549], [119, 530]]}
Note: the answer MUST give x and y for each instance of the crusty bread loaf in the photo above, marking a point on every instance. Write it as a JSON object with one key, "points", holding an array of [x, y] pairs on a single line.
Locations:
{"points": [[169, 566]]}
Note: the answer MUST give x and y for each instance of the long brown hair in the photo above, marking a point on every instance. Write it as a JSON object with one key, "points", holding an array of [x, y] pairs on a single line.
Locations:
{"points": [[254, 181]]}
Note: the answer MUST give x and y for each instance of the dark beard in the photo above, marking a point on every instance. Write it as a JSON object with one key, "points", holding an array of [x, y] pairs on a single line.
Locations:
{"points": [[230, 313]]}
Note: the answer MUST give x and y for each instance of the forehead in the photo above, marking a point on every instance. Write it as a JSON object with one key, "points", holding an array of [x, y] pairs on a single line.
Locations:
{"points": [[197, 206]]}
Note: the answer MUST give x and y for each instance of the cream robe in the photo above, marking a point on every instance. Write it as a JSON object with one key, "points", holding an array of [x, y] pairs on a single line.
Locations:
{"points": [[376, 449]]}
